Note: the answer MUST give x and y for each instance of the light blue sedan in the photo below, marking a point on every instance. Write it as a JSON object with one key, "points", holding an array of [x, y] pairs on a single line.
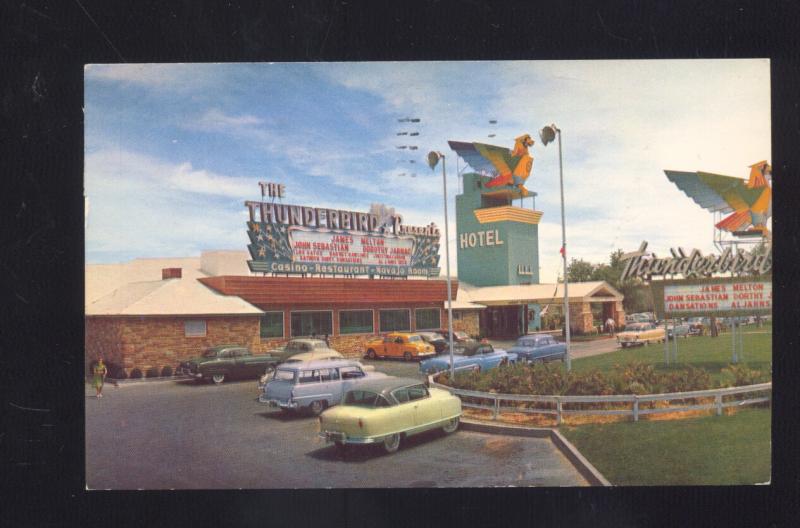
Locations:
{"points": [[471, 356], [532, 348]]}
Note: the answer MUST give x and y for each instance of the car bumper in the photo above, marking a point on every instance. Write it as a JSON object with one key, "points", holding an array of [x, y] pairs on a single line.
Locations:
{"points": [[337, 436], [271, 402], [184, 371]]}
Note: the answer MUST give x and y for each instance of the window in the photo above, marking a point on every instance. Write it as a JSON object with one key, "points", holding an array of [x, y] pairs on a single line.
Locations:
{"points": [[361, 398], [311, 323], [272, 324], [351, 372], [329, 374], [194, 328], [417, 392], [401, 395], [355, 322], [282, 374], [382, 402], [427, 318], [394, 320], [308, 376]]}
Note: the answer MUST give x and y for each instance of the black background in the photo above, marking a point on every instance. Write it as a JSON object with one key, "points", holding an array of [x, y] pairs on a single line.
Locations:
{"points": [[43, 47]]}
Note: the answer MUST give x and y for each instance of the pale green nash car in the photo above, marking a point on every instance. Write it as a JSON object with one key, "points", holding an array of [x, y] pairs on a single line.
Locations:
{"points": [[386, 410]]}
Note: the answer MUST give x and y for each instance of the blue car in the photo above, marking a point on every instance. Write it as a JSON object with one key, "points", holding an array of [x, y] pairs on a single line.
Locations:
{"points": [[532, 348], [472, 356]]}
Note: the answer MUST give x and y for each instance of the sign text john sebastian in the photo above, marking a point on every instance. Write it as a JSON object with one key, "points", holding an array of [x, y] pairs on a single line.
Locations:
{"points": [[312, 240]]}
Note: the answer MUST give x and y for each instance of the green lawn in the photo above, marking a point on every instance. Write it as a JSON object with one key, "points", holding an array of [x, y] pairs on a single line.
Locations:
{"points": [[709, 353], [719, 450]]}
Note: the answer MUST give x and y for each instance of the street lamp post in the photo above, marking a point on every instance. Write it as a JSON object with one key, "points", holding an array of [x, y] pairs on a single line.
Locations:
{"points": [[548, 134], [433, 160]]}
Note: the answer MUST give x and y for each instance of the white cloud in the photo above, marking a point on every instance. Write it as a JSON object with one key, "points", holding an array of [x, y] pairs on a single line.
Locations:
{"points": [[179, 77]]}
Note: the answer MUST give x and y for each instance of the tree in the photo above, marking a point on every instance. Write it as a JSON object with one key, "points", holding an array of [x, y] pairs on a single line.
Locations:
{"points": [[580, 271]]}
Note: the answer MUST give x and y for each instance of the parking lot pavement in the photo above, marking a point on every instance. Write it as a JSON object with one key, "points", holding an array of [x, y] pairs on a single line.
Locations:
{"points": [[183, 435]]}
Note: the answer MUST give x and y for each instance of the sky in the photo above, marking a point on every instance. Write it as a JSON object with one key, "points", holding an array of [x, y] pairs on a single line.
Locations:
{"points": [[172, 151]]}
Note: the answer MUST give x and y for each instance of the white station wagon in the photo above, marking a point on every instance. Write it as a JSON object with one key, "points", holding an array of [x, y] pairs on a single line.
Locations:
{"points": [[313, 385]]}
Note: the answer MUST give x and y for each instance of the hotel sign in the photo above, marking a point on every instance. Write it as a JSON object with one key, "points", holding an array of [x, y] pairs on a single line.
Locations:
{"points": [[639, 264], [313, 240], [720, 296]]}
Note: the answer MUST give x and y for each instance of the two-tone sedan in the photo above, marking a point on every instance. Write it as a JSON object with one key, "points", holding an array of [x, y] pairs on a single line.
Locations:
{"points": [[640, 334], [542, 348], [399, 345], [227, 362], [470, 356], [385, 411]]}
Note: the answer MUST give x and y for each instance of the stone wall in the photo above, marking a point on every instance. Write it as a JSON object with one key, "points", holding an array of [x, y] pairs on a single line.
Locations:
{"points": [[466, 321], [580, 318], [145, 342]]}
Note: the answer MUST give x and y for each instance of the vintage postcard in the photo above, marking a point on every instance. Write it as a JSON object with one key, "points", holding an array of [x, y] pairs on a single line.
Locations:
{"points": [[362, 275]]}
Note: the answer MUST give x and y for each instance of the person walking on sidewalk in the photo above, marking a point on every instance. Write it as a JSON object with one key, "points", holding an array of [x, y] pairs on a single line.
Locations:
{"points": [[100, 372]]}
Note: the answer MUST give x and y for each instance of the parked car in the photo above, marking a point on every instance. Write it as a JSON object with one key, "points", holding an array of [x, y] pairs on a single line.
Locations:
{"points": [[680, 330], [399, 345], [698, 325], [302, 345], [538, 348], [472, 355], [313, 385], [386, 411], [435, 339], [226, 362], [640, 334], [458, 337]]}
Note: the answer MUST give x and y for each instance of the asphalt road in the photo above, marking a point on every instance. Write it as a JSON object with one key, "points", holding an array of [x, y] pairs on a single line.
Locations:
{"points": [[182, 435]]}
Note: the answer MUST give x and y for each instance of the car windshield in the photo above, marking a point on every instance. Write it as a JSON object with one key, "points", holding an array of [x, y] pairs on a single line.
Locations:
{"points": [[284, 374], [414, 338], [633, 327], [459, 350], [211, 352], [526, 343]]}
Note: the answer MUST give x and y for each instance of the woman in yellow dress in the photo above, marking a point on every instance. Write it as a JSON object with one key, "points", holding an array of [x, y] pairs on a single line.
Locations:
{"points": [[100, 371]]}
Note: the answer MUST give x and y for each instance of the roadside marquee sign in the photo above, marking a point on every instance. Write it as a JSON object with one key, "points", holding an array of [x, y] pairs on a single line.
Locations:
{"points": [[312, 240], [720, 296]]}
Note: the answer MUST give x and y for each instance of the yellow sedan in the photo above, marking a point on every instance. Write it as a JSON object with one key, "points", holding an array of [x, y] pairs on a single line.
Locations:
{"points": [[404, 345], [640, 334], [386, 410]]}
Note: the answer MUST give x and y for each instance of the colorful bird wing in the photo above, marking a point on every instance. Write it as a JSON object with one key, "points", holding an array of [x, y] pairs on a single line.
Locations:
{"points": [[710, 191], [484, 158], [733, 190]]}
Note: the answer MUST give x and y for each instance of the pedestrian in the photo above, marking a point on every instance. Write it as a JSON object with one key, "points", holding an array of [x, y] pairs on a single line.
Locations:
{"points": [[327, 341], [610, 325], [100, 372]]}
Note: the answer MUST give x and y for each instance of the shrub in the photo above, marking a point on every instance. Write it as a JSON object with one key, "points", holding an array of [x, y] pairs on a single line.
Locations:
{"points": [[166, 371], [736, 375], [136, 374], [152, 372]]}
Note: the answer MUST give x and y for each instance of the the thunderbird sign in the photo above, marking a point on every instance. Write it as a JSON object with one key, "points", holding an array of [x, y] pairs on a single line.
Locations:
{"points": [[310, 240]]}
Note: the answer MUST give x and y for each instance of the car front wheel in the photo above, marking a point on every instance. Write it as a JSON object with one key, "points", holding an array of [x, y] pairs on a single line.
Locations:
{"points": [[218, 378], [391, 443], [371, 354], [451, 425], [407, 356]]}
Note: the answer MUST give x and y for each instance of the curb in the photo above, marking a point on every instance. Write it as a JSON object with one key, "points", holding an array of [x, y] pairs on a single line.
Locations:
{"points": [[145, 381], [584, 467]]}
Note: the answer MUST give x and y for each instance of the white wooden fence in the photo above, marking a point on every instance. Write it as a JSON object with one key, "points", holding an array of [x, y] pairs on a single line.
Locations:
{"points": [[505, 402]]}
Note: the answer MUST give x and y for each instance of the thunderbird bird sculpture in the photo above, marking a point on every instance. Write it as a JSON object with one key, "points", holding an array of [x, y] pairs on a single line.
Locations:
{"points": [[507, 167], [749, 201]]}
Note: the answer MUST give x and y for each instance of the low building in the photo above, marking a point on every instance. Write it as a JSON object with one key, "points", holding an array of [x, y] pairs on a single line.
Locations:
{"points": [[153, 313]]}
